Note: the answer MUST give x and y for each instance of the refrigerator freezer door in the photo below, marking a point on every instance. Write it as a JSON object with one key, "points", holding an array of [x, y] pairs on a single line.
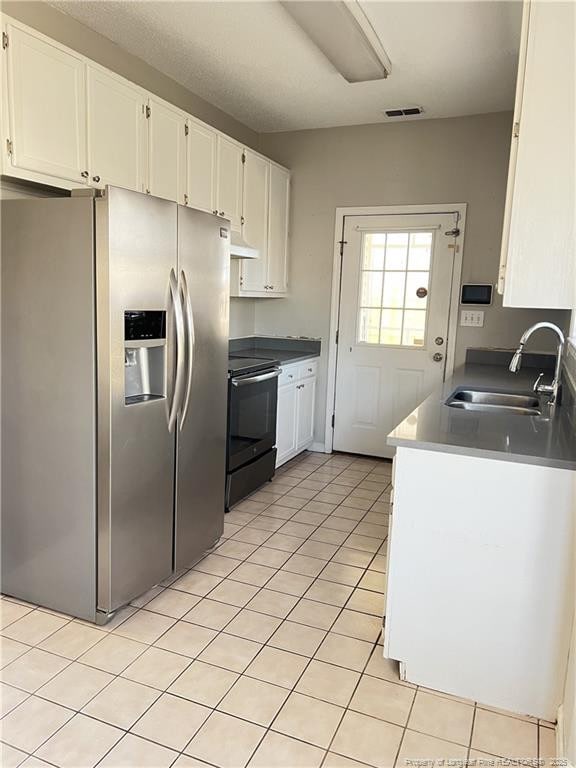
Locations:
{"points": [[136, 249], [204, 258], [49, 404]]}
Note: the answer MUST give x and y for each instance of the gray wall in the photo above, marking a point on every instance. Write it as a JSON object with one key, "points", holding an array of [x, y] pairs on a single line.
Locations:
{"points": [[80, 38], [457, 160], [242, 318]]}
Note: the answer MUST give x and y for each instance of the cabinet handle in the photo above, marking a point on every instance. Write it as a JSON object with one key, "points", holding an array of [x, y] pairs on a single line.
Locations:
{"points": [[222, 213], [84, 174], [309, 370], [215, 212], [271, 287], [290, 376], [96, 179], [242, 220]]}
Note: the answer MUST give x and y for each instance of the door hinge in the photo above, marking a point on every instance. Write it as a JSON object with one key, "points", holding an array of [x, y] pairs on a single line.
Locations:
{"points": [[9, 146], [342, 244], [186, 130], [333, 416], [243, 157], [5, 40], [148, 111], [516, 130], [337, 335]]}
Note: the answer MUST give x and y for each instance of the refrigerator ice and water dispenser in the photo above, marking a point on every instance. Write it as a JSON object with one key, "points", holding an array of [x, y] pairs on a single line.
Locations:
{"points": [[144, 355]]}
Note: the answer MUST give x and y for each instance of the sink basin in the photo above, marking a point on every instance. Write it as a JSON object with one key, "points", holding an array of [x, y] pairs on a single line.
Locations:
{"points": [[495, 402]]}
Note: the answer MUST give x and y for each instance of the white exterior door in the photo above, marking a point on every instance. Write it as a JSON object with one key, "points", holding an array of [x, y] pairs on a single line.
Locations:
{"points": [[116, 131], [394, 313], [229, 187], [47, 107], [201, 167], [167, 152]]}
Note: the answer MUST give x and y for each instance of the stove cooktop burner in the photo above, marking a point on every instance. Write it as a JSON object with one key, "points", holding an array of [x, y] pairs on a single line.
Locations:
{"points": [[238, 365]]}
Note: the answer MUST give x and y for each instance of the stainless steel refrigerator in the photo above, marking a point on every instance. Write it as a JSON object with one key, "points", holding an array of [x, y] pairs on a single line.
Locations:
{"points": [[114, 396]]}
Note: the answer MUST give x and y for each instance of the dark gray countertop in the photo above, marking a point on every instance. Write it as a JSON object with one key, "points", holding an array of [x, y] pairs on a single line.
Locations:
{"points": [[509, 437], [285, 349], [285, 356]]}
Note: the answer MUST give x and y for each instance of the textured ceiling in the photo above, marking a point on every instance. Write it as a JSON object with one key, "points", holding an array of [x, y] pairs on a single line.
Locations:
{"points": [[253, 61]]}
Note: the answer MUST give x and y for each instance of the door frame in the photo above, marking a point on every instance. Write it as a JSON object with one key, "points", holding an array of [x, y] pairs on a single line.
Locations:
{"points": [[389, 210]]}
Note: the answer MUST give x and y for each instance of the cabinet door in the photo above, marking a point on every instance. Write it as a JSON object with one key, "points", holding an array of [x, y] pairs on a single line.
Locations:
{"points": [[116, 131], [286, 423], [229, 186], [201, 166], [305, 413], [278, 229], [47, 107], [255, 221], [166, 151], [540, 254]]}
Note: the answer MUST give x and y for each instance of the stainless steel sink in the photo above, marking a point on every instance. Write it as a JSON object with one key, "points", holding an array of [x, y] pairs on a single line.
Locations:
{"points": [[495, 402]]}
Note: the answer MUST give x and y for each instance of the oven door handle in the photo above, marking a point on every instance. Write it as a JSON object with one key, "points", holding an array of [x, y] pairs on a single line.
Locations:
{"points": [[242, 382]]}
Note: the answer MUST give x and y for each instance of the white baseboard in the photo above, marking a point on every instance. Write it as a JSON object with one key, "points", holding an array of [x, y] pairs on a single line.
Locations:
{"points": [[318, 448]]}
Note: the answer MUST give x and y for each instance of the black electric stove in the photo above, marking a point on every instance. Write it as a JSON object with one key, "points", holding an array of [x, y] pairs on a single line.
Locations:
{"points": [[252, 403]]}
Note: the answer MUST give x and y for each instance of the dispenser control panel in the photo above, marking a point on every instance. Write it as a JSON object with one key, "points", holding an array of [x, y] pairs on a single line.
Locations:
{"points": [[142, 324]]}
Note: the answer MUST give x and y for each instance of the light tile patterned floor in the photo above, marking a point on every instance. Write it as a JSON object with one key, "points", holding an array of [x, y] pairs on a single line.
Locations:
{"points": [[267, 653]]}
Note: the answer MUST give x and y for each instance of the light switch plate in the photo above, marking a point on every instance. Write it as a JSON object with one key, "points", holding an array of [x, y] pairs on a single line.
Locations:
{"points": [[472, 317]]}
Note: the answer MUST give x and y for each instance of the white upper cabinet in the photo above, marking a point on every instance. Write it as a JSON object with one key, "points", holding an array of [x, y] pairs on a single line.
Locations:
{"points": [[116, 131], [166, 151], [201, 142], [47, 107], [255, 220], [267, 275], [538, 246], [279, 206], [230, 181]]}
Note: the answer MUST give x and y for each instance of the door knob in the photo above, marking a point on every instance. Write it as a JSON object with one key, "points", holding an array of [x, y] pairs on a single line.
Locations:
{"points": [[437, 357], [439, 341]]}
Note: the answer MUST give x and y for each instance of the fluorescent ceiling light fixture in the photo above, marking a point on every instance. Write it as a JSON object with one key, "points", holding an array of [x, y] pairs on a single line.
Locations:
{"points": [[345, 36]]}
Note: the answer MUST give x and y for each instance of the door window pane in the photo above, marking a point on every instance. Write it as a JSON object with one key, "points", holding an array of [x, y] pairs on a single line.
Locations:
{"points": [[374, 247], [416, 285], [369, 326], [396, 250], [413, 328], [394, 285], [371, 293]]}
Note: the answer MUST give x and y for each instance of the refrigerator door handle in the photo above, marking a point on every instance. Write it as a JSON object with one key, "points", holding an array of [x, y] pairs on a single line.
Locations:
{"points": [[180, 342], [189, 315]]}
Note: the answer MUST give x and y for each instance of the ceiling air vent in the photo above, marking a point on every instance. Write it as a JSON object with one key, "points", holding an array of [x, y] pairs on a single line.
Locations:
{"points": [[404, 112]]}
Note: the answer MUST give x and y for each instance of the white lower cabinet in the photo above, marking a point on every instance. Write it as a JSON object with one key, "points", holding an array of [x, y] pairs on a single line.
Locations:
{"points": [[296, 403], [286, 423], [477, 557]]}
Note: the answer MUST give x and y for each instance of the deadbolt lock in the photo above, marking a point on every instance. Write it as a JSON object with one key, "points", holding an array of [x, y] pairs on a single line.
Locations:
{"points": [[439, 341], [437, 357]]}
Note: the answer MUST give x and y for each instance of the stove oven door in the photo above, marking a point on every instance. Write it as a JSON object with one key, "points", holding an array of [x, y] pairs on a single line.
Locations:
{"points": [[252, 416]]}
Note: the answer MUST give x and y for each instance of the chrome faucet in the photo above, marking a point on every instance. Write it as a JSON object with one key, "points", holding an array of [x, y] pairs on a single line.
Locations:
{"points": [[542, 389]]}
